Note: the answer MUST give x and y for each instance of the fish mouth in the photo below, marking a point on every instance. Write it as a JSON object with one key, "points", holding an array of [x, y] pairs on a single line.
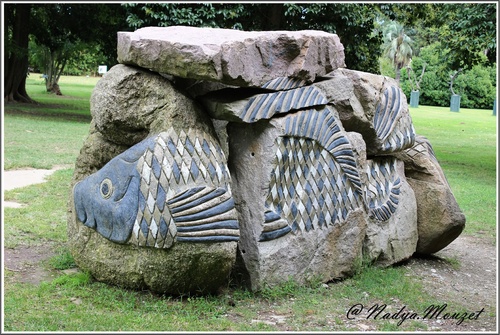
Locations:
{"points": [[80, 208]]}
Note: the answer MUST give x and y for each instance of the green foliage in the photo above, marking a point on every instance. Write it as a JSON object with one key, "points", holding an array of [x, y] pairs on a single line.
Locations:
{"points": [[476, 88], [474, 33], [285, 290], [73, 280], [77, 36], [434, 86], [467, 30], [397, 45]]}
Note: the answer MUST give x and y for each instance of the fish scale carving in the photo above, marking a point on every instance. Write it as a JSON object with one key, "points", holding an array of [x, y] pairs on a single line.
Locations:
{"points": [[284, 83], [395, 131], [265, 106], [315, 181], [167, 171], [383, 188], [323, 127], [307, 189]]}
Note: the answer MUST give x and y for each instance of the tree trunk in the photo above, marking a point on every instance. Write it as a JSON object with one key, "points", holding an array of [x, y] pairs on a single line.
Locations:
{"points": [[274, 17], [16, 61], [398, 74], [56, 61]]}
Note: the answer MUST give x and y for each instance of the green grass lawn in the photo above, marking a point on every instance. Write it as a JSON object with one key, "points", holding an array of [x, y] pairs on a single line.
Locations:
{"points": [[465, 144], [50, 134]]}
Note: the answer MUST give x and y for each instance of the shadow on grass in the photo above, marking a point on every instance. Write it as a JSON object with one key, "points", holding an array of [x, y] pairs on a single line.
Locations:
{"points": [[46, 111]]}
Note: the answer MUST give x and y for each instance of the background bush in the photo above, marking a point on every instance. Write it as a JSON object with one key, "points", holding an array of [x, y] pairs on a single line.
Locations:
{"points": [[476, 86]]}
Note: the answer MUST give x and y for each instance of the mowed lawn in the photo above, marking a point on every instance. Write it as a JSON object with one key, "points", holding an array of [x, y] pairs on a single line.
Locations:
{"points": [[465, 144], [51, 133]]}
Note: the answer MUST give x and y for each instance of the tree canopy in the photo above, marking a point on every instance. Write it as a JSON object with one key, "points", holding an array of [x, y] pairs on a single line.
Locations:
{"points": [[60, 29], [397, 46], [68, 33], [467, 30]]}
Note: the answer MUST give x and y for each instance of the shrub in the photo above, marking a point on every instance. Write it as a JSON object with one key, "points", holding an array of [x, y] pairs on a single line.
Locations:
{"points": [[476, 88]]}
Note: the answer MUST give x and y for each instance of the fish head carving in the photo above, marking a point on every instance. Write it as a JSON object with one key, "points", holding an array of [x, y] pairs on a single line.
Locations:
{"points": [[108, 200]]}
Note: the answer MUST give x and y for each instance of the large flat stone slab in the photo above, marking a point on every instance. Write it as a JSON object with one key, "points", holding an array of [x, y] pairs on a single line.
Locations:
{"points": [[232, 57]]}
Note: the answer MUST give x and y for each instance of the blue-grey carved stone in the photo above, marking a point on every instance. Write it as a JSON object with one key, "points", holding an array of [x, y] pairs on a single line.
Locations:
{"points": [[301, 215], [284, 83], [394, 130], [371, 105], [150, 195], [265, 106], [315, 180], [391, 232], [383, 188], [240, 106], [107, 201]]}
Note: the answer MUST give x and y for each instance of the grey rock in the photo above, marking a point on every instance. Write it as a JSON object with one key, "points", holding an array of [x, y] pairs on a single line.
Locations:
{"points": [[299, 217], [183, 269], [440, 219], [394, 239], [129, 103], [373, 106], [232, 57], [175, 265], [235, 106]]}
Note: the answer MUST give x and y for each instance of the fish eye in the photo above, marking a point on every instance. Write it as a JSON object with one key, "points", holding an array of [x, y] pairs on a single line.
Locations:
{"points": [[106, 188]]}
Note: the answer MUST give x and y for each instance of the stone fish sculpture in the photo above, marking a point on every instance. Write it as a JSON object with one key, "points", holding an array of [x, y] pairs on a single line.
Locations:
{"points": [[324, 161], [316, 180], [166, 188]]}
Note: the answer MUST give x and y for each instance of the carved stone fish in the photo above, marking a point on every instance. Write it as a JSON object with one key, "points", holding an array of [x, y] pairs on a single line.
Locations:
{"points": [[169, 187], [316, 180]]}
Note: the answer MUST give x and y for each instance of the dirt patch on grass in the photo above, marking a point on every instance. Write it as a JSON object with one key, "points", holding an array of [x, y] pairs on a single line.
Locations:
{"points": [[29, 264], [464, 272]]}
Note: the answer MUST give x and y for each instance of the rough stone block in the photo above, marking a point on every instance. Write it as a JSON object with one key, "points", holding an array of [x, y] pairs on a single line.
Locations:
{"points": [[298, 186], [373, 106], [440, 219], [157, 214], [130, 103], [391, 231], [231, 56]]}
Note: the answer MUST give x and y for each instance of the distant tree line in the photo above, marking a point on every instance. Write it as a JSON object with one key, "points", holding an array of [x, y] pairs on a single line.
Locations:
{"points": [[74, 38]]}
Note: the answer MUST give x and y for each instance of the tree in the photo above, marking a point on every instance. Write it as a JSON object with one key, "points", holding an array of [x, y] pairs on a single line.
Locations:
{"points": [[16, 37], [474, 35], [353, 23], [397, 47], [468, 30], [60, 29]]}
